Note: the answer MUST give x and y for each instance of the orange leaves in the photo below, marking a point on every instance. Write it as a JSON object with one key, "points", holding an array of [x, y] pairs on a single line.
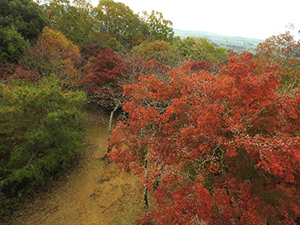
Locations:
{"points": [[239, 66], [56, 41], [278, 155], [254, 86], [105, 76], [150, 89], [53, 54], [226, 142], [187, 205], [281, 53]]}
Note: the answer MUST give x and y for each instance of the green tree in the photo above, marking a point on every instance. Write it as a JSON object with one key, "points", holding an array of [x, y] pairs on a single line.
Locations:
{"points": [[12, 45], [20, 22], [25, 16], [119, 21], [40, 133], [76, 21], [201, 49], [158, 27], [159, 50]]}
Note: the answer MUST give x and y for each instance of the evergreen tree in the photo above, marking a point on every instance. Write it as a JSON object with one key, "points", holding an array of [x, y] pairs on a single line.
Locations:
{"points": [[40, 133]]}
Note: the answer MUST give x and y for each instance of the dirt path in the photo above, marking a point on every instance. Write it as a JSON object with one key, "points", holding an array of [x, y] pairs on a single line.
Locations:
{"points": [[94, 192]]}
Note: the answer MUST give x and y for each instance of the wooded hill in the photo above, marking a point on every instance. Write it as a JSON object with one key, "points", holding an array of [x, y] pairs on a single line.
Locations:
{"points": [[213, 134], [232, 43]]}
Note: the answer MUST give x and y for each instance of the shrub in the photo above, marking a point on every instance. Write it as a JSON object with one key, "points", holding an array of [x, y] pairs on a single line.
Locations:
{"points": [[40, 133]]}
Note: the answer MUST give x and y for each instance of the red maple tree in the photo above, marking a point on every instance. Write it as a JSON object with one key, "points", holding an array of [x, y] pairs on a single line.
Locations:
{"points": [[214, 150], [102, 80], [209, 67], [107, 72]]}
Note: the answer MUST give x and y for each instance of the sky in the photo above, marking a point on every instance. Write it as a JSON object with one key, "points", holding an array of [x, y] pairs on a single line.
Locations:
{"points": [[256, 18]]}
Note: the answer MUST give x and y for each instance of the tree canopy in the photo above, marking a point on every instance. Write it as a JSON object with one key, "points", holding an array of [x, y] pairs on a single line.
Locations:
{"points": [[282, 53], [158, 27], [21, 21], [214, 135], [108, 22], [201, 49], [218, 149], [54, 54], [40, 134]]}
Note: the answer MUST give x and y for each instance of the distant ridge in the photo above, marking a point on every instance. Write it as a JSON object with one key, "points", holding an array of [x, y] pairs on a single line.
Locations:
{"points": [[235, 43]]}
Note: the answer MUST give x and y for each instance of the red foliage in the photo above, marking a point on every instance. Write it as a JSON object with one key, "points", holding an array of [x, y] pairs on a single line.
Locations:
{"points": [[17, 72], [137, 66], [108, 73], [226, 150], [91, 51], [24, 72], [209, 67], [282, 51], [6, 70], [104, 76]]}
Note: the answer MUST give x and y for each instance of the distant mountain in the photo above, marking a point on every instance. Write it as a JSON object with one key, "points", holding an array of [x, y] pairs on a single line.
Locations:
{"points": [[219, 40]]}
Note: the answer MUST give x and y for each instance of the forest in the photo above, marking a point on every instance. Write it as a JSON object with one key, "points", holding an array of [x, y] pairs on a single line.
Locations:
{"points": [[212, 133]]}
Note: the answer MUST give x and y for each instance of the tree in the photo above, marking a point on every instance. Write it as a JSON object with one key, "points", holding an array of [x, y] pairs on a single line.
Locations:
{"points": [[209, 67], [107, 73], [214, 149], [282, 53], [137, 67], [53, 54], [110, 24], [6, 70], [158, 27], [76, 21], [102, 78], [120, 22], [12, 45], [159, 50], [40, 134], [20, 24], [25, 16], [200, 49], [103, 81]]}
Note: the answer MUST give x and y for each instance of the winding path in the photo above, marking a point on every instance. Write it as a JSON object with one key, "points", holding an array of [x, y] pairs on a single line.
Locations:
{"points": [[93, 193]]}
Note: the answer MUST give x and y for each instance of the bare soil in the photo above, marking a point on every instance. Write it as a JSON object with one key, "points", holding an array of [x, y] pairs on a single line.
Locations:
{"points": [[93, 192]]}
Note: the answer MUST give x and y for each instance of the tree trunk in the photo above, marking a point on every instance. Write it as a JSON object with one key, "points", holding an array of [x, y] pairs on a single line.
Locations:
{"points": [[110, 128], [146, 189], [157, 179]]}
